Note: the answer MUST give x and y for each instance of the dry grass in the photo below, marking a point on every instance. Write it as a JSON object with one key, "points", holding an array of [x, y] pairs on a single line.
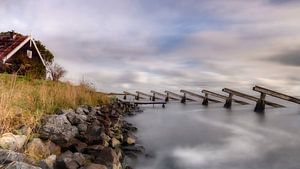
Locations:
{"points": [[24, 101]]}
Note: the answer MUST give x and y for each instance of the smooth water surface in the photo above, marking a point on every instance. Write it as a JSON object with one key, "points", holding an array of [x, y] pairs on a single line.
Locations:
{"points": [[196, 137]]}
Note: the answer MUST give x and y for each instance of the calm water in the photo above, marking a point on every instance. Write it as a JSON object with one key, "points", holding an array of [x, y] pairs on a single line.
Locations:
{"points": [[195, 137]]}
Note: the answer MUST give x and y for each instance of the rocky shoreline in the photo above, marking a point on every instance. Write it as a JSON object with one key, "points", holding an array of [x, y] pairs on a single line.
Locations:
{"points": [[84, 138]]}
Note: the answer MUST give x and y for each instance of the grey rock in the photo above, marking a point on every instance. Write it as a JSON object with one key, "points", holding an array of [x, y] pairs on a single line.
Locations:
{"points": [[82, 127], [79, 158], [109, 158], [47, 163], [75, 119], [58, 129], [66, 161], [7, 156], [20, 165]]}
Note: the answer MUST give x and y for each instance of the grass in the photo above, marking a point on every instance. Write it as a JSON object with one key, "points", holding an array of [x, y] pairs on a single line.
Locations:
{"points": [[25, 101]]}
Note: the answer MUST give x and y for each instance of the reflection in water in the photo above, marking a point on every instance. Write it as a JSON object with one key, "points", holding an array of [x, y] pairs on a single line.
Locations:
{"points": [[195, 137]]}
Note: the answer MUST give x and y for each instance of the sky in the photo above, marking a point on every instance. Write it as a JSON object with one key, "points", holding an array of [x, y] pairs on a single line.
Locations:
{"points": [[167, 44]]}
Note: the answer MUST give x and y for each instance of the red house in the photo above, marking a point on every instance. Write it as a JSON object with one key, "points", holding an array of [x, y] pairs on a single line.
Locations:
{"points": [[19, 54]]}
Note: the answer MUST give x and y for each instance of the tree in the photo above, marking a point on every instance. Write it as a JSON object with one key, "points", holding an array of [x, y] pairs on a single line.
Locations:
{"points": [[56, 71], [46, 53]]}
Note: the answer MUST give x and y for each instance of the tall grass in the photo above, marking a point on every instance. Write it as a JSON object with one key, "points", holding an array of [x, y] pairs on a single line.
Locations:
{"points": [[24, 101]]}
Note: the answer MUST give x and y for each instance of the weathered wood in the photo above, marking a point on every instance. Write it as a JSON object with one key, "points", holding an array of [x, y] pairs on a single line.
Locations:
{"points": [[142, 102], [276, 94], [161, 94], [132, 94], [249, 97], [200, 96], [144, 94], [183, 98], [223, 97]]}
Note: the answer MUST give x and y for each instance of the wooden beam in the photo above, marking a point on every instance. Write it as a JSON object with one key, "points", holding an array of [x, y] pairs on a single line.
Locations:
{"points": [[276, 94], [198, 95], [223, 97], [144, 94], [249, 97], [132, 94], [164, 95], [178, 95]]}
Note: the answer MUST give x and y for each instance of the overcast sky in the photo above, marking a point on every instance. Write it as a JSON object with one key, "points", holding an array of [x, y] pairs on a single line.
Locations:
{"points": [[167, 44]]}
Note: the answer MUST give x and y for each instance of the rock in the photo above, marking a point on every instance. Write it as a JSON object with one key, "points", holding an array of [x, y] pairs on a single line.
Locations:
{"points": [[64, 111], [94, 135], [54, 149], [24, 130], [93, 149], [75, 119], [7, 156], [12, 142], [82, 127], [47, 163], [130, 140], [109, 158], [66, 161], [20, 165], [37, 149], [115, 142], [96, 166], [79, 158], [58, 129]]}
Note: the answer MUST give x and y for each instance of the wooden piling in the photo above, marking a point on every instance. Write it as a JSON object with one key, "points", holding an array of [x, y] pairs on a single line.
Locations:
{"points": [[199, 96], [182, 98], [144, 94], [223, 97], [249, 97], [167, 97], [137, 97]]}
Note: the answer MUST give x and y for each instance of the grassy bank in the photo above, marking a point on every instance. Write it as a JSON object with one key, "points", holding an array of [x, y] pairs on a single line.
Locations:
{"points": [[24, 101]]}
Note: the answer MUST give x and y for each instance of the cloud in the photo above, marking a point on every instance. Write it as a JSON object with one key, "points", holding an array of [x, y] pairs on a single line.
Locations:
{"points": [[291, 58]]}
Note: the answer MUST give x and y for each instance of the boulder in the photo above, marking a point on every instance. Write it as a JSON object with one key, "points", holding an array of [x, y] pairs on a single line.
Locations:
{"points": [[66, 161], [12, 142], [79, 158], [75, 119], [115, 142], [109, 158], [130, 140], [95, 166], [82, 127], [58, 129], [47, 163], [37, 149], [7, 156], [20, 165]]}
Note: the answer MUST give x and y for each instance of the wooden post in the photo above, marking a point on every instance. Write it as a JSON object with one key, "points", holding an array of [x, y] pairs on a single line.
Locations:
{"points": [[138, 96], [153, 97], [260, 104], [125, 96], [167, 98], [183, 99], [205, 100], [228, 102]]}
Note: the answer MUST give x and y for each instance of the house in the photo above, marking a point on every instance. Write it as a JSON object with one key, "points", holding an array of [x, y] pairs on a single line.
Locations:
{"points": [[20, 54]]}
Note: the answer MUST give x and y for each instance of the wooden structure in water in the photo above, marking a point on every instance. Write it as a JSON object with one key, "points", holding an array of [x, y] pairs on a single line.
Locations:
{"points": [[137, 102], [182, 98], [245, 96], [143, 94], [261, 102], [207, 93], [205, 98], [155, 93], [131, 94]]}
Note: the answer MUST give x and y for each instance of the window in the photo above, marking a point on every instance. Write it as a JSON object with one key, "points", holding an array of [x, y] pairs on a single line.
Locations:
{"points": [[29, 54]]}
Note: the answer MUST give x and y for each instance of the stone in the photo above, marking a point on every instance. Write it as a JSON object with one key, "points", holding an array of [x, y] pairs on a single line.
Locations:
{"points": [[66, 161], [115, 142], [75, 119], [7, 156], [64, 111], [58, 129], [94, 135], [12, 142], [109, 158], [130, 140], [24, 130], [95, 166], [20, 165], [47, 163], [82, 127], [37, 149], [79, 158]]}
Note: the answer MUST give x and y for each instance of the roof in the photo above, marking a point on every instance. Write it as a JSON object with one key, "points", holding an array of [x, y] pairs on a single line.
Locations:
{"points": [[10, 41]]}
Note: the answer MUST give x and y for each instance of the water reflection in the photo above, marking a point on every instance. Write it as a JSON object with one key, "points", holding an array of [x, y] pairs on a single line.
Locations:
{"points": [[195, 137]]}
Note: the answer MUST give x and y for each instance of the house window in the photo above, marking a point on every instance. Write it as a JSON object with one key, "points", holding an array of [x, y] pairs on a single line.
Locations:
{"points": [[29, 54]]}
